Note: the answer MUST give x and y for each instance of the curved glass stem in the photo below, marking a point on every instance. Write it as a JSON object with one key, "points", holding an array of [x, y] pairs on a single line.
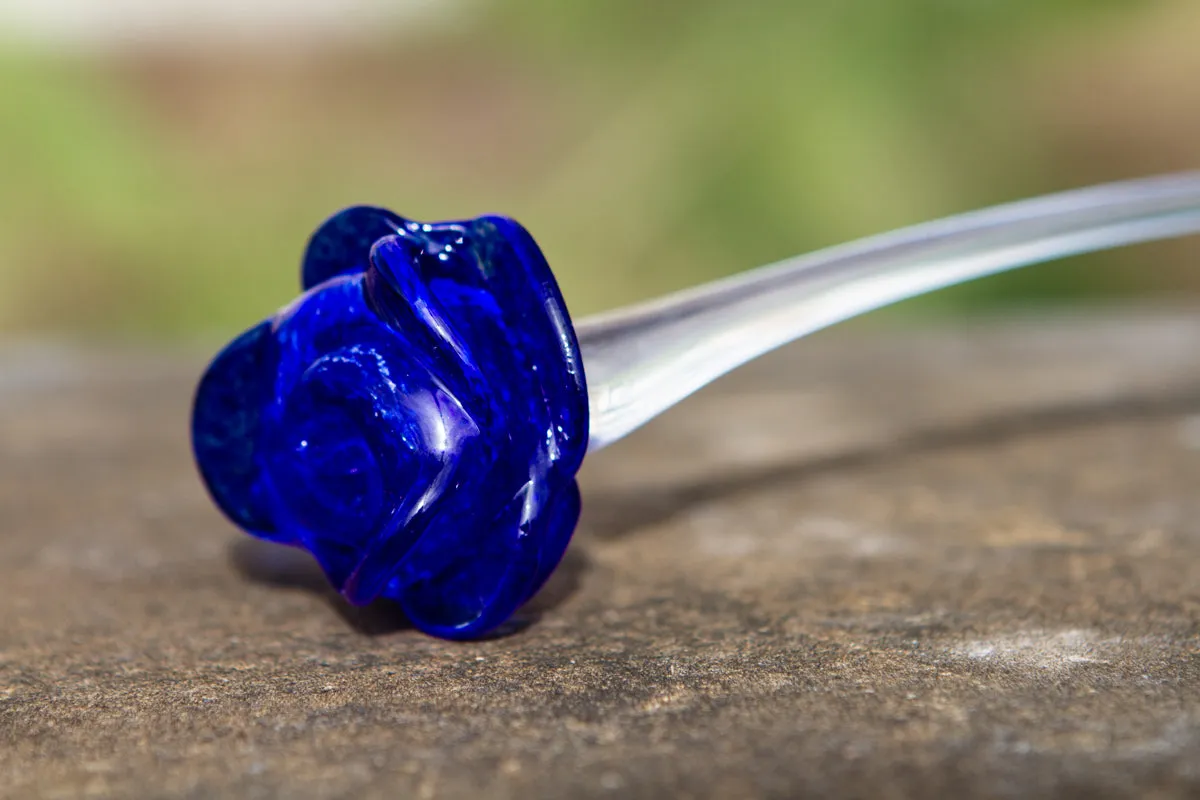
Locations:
{"points": [[644, 359]]}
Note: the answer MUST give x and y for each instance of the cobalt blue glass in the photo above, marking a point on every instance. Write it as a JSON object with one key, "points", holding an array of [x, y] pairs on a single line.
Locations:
{"points": [[415, 419]]}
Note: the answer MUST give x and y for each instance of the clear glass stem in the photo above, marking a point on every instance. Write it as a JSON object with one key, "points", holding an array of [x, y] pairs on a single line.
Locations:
{"points": [[644, 359]]}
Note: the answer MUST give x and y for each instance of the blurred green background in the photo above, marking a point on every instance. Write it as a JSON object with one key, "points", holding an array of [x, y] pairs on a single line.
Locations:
{"points": [[160, 178]]}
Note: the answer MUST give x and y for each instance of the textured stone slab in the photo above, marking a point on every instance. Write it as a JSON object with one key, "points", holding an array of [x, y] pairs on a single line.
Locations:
{"points": [[962, 564]]}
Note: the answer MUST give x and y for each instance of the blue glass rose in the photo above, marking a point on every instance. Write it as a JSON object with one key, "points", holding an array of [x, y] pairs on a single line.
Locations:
{"points": [[415, 419]]}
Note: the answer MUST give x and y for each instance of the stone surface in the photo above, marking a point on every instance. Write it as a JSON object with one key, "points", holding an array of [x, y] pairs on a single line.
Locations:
{"points": [[960, 564]]}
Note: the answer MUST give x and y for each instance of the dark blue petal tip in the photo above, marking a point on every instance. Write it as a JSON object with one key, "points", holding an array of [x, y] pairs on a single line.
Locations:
{"points": [[415, 419]]}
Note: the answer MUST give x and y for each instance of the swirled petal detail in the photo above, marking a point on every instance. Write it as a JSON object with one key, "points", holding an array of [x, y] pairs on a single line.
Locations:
{"points": [[342, 244], [415, 419]]}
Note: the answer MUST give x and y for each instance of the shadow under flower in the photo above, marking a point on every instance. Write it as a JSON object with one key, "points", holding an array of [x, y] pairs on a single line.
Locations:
{"points": [[269, 564]]}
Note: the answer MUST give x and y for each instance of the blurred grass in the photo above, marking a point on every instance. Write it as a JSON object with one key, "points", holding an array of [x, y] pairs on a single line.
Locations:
{"points": [[648, 146]]}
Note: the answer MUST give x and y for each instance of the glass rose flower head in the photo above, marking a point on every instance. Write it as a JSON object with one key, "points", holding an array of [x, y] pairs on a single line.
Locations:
{"points": [[415, 419]]}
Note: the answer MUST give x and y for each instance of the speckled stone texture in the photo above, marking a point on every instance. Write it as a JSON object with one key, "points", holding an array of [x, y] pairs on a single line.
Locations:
{"points": [[963, 563]]}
